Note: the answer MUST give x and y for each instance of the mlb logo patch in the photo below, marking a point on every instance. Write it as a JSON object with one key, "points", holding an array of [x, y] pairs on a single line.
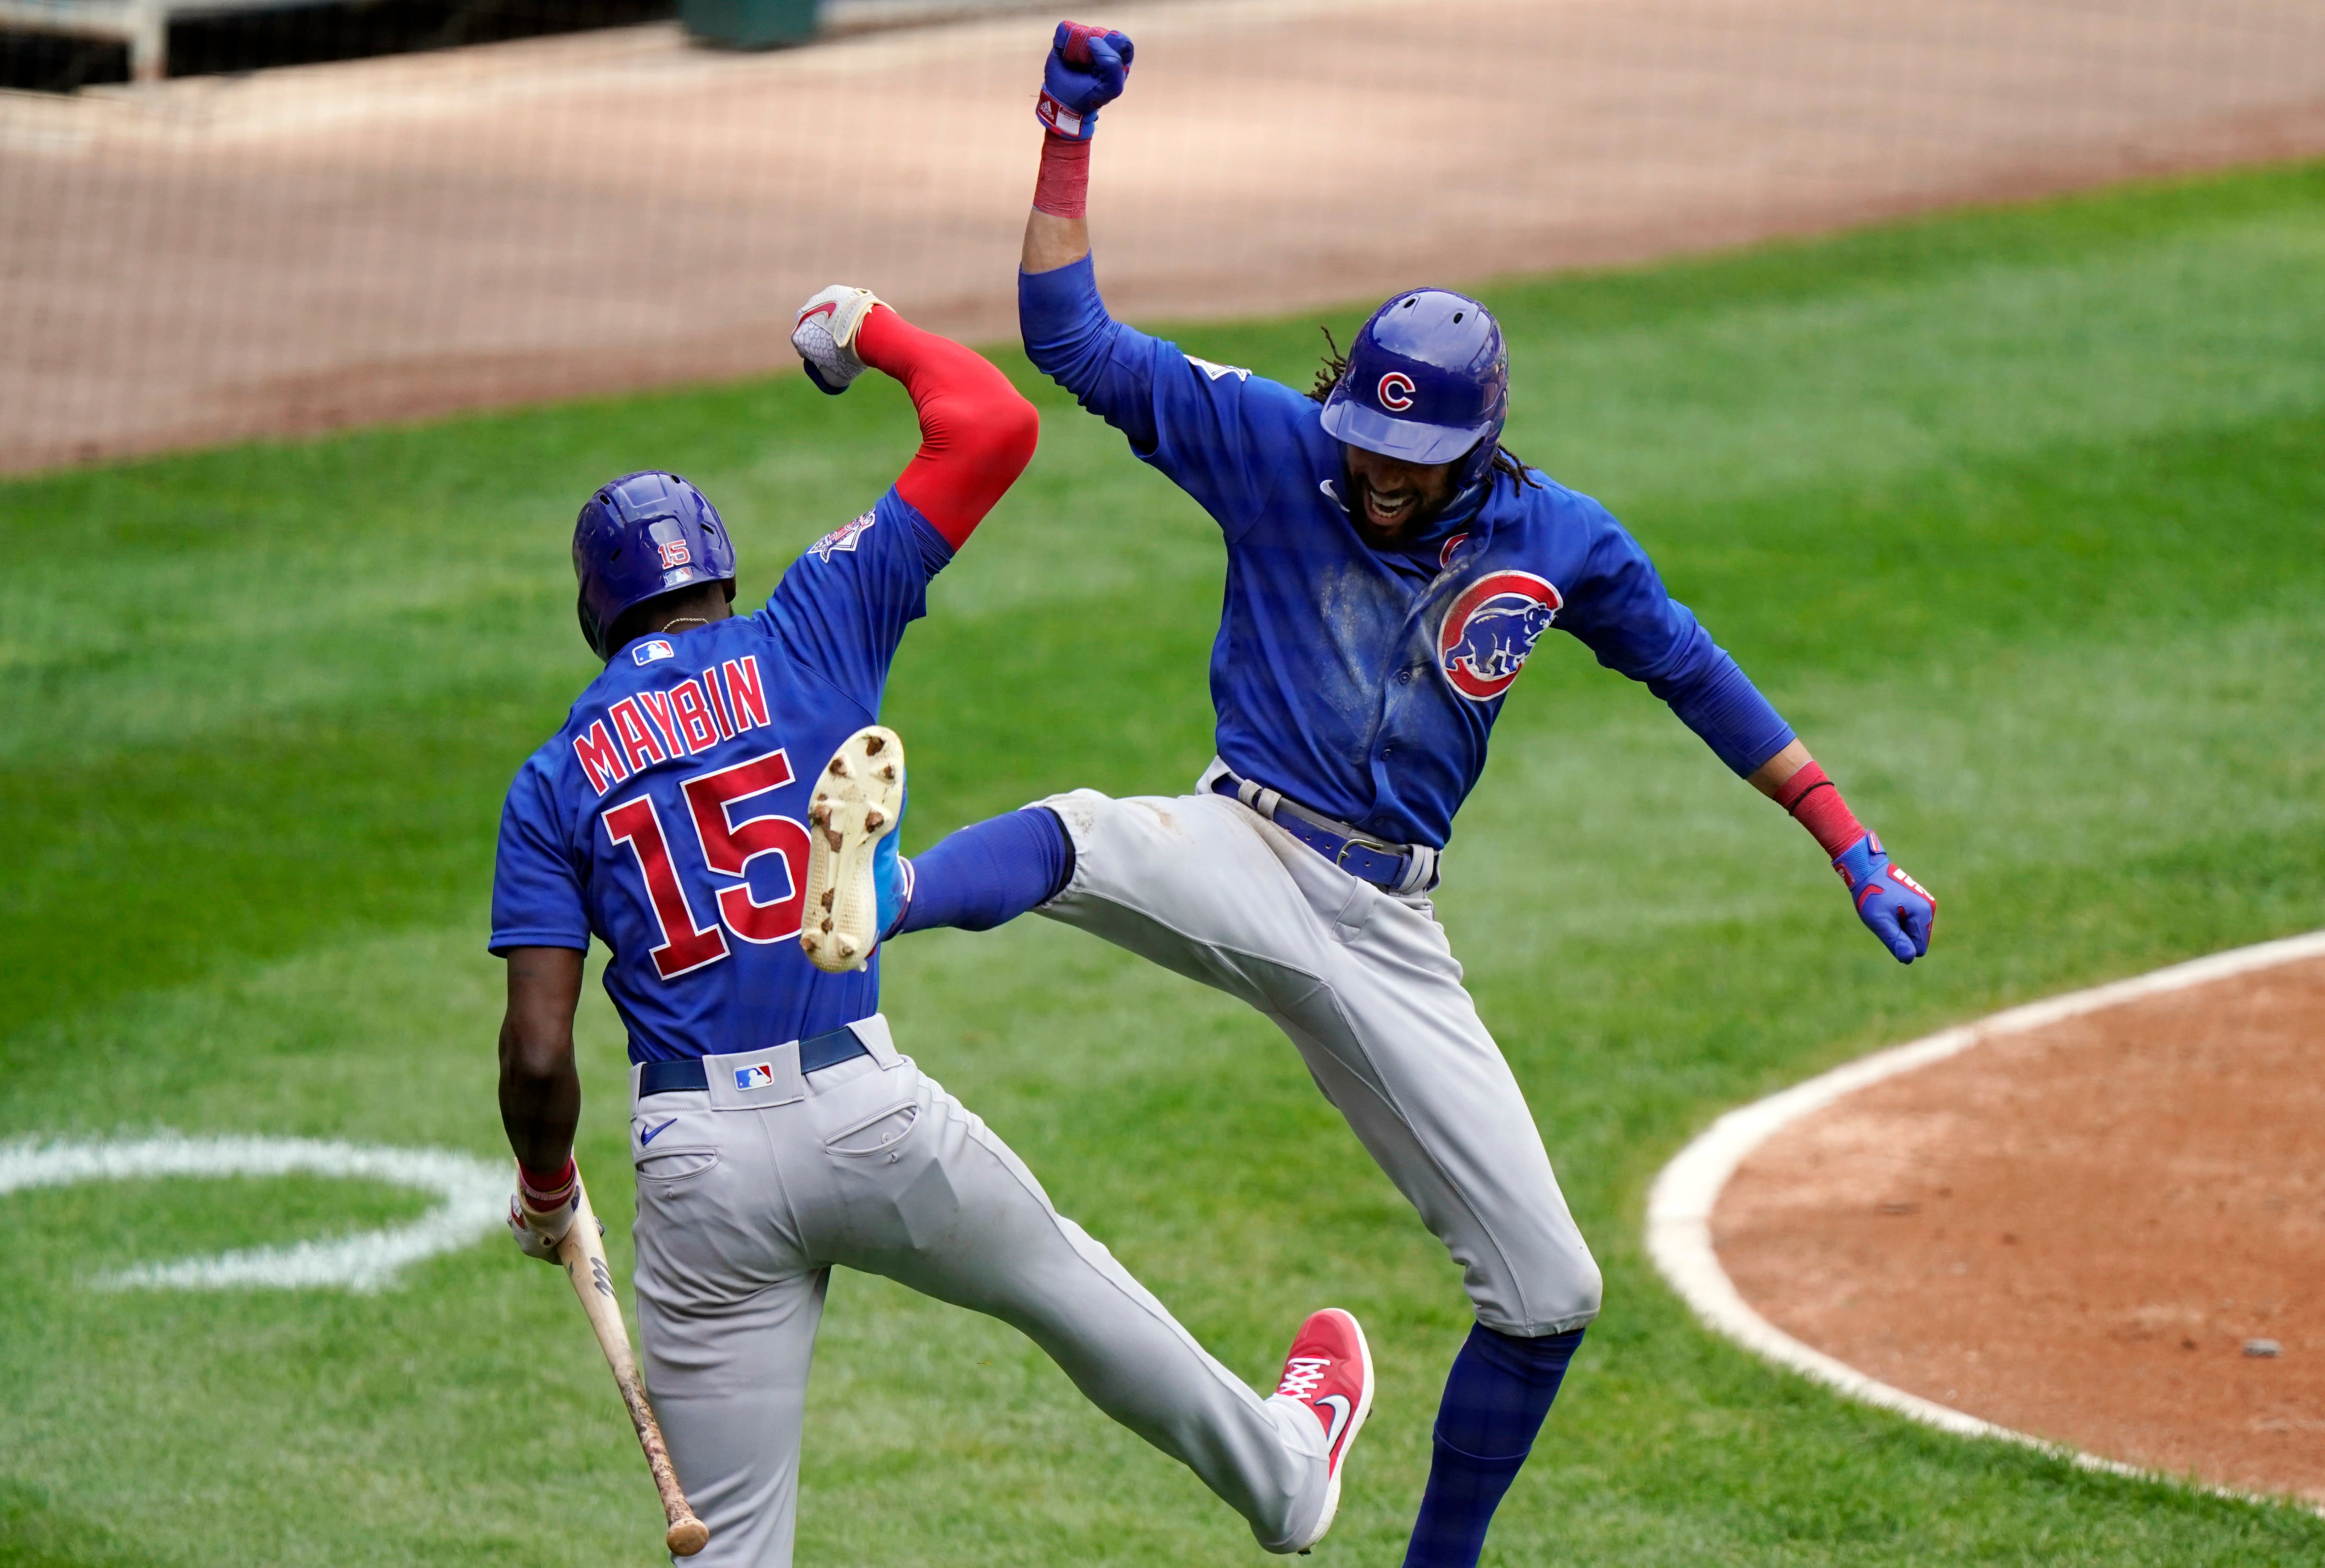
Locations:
{"points": [[653, 648], [758, 1075]]}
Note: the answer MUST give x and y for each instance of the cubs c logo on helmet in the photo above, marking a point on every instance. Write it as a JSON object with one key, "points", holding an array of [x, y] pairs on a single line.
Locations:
{"points": [[1395, 391], [1491, 628]]}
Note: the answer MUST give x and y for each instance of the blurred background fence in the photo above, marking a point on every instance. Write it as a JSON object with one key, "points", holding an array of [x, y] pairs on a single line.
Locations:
{"points": [[335, 214]]}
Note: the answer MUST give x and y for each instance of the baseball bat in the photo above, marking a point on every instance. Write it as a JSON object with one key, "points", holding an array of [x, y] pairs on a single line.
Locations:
{"points": [[583, 1253]]}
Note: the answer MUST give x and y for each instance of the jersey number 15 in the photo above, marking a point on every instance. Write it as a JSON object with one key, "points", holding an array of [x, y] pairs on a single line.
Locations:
{"points": [[727, 849]]}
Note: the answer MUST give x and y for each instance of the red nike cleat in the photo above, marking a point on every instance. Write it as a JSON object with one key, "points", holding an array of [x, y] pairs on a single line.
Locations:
{"points": [[1329, 1372]]}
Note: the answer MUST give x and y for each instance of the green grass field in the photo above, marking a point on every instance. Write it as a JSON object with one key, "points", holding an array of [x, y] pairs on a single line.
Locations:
{"points": [[2019, 516]]}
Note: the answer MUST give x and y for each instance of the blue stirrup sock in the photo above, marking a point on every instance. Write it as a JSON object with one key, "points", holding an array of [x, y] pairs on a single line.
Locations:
{"points": [[1496, 1397], [988, 873]]}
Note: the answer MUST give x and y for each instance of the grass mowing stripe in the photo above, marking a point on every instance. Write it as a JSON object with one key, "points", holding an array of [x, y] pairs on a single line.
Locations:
{"points": [[2017, 514], [2212, 315], [1944, 569]]}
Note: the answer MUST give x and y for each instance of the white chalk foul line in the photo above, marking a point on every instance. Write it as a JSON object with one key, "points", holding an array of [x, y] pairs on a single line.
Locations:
{"points": [[473, 1194], [1679, 1203]]}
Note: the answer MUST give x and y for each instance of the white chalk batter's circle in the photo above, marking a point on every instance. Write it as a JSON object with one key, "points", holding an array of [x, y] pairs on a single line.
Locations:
{"points": [[473, 1194]]}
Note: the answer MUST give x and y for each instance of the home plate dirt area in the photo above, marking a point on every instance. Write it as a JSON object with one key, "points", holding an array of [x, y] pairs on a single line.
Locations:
{"points": [[2108, 1232]]}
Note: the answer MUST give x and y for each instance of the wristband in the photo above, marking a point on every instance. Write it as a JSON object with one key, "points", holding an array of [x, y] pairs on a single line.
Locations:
{"points": [[1063, 188], [544, 1194], [1813, 801]]}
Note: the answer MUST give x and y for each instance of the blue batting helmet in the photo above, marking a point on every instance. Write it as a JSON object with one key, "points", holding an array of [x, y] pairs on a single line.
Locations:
{"points": [[638, 536], [1428, 381]]}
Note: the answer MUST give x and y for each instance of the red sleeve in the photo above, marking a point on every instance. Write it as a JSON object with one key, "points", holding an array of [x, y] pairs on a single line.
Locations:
{"points": [[977, 432]]}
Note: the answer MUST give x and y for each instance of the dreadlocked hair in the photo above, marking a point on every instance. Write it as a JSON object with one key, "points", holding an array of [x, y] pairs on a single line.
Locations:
{"points": [[1335, 366]]}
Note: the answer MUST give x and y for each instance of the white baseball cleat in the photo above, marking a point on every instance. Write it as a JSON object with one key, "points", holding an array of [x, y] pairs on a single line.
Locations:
{"points": [[825, 334], [859, 800], [1329, 1374]]}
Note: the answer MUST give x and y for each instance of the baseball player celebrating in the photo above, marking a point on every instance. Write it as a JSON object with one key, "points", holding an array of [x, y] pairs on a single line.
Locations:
{"points": [[685, 816], [1390, 569]]}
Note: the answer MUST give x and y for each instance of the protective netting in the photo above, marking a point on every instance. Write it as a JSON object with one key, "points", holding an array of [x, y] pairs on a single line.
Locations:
{"points": [[209, 256]]}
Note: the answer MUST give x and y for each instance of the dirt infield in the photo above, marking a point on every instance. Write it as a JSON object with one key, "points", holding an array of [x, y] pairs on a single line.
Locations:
{"points": [[2077, 1232], [209, 259]]}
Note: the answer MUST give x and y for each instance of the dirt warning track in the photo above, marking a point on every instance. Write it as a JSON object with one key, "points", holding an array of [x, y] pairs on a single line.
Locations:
{"points": [[2104, 1228], [209, 259]]}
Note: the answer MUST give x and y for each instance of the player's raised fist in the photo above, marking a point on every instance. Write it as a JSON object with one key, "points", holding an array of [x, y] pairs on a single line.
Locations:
{"points": [[1086, 71], [825, 334]]}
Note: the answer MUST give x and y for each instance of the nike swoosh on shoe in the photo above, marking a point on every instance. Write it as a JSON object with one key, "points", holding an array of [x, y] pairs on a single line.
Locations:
{"points": [[1340, 1405]]}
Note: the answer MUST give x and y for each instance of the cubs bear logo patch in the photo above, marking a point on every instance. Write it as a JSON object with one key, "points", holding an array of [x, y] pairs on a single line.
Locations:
{"points": [[1491, 628]]}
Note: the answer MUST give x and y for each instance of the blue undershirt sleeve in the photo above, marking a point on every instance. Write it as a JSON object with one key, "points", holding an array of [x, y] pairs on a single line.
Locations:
{"points": [[1072, 341], [1623, 614], [1713, 697], [1222, 434]]}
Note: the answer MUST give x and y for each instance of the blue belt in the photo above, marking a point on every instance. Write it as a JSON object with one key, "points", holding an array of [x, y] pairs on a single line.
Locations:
{"points": [[1399, 868], [816, 1053]]}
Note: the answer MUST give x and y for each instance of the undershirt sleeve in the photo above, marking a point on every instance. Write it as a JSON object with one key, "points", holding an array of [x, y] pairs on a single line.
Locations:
{"points": [[1219, 432], [978, 432], [1713, 697], [1072, 341], [1624, 616]]}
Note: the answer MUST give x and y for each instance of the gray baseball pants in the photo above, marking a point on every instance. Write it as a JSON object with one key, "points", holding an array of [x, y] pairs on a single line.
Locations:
{"points": [[1365, 986], [746, 1198]]}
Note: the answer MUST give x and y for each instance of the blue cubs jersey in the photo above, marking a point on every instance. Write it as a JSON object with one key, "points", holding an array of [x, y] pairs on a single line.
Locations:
{"points": [[667, 818], [1364, 683]]}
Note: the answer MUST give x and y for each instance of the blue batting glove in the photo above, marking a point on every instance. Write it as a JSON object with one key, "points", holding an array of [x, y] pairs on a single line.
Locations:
{"points": [[1086, 71], [1893, 907]]}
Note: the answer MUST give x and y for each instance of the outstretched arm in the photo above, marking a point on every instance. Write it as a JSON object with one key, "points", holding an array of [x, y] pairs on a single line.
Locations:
{"points": [[1712, 695], [977, 433], [1623, 614]]}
